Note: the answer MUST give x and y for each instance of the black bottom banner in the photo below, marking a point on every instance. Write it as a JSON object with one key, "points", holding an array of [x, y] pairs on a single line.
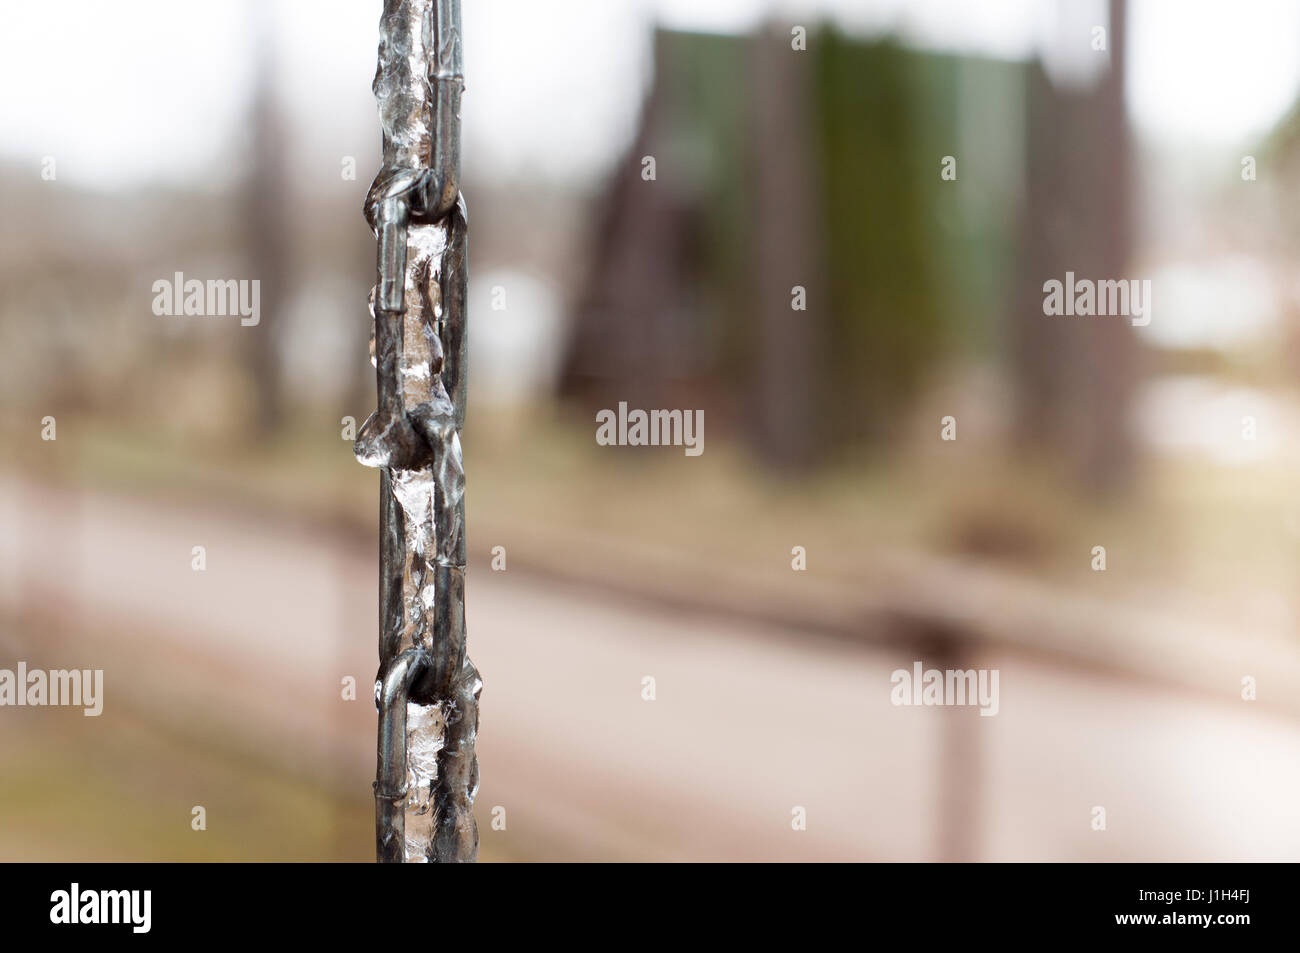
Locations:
{"points": [[137, 903]]}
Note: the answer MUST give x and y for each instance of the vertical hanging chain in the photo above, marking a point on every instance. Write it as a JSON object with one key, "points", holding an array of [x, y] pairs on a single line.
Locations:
{"points": [[427, 689]]}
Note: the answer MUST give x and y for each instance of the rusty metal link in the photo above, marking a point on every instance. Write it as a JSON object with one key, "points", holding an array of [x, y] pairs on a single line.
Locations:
{"points": [[426, 689]]}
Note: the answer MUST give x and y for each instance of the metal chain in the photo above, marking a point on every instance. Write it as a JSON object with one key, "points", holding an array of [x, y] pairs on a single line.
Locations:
{"points": [[427, 689]]}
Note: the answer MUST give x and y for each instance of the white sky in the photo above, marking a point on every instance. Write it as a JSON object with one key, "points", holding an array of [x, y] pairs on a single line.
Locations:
{"points": [[127, 92]]}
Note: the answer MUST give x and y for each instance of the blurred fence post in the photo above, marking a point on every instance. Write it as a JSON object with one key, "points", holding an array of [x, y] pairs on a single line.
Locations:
{"points": [[1076, 382], [788, 253], [266, 238]]}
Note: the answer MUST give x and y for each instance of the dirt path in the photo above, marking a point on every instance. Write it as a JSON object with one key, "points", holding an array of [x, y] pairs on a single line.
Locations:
{"points": [[749, 722]]}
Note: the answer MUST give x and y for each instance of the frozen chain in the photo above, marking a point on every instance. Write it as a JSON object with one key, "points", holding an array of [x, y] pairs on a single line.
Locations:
{"points": [[427, 689]]}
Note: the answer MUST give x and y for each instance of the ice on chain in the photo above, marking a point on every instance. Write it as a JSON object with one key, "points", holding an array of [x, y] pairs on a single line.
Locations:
{"points": [[418, 352], [401, 81], [419, 370], [425, 732], [416, 492]]}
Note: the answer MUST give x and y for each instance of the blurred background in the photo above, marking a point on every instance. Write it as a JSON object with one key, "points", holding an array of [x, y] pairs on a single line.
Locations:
{"points": [[226, 139]]}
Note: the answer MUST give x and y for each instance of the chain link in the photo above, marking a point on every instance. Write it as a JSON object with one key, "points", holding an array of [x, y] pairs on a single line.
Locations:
{"points": [[426, 689]]}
